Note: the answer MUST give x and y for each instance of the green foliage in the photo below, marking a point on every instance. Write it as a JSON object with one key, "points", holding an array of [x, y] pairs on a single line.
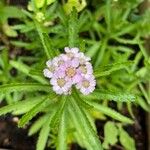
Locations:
{"points": [[110, 133], [83, 126], [112, 33], [111, 95], [43, 136], [110, 112], [30, 87], [36, 109], [114, 133], [127, 142]]}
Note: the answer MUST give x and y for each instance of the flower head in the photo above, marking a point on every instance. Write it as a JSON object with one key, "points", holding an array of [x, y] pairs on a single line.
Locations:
{"points": [[71, 68], [87, 85], [61, 85]]}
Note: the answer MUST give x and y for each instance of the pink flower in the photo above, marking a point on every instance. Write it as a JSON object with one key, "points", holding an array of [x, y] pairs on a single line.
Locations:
{"points": [[87, 85], [69, 70], [82, 58], [71, 52], [85, 69], [61, 59], [61, 85], [72, 68], [48, 72]]}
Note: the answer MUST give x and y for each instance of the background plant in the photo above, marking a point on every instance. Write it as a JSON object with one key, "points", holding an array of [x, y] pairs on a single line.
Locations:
{"points": [[113, 35]]}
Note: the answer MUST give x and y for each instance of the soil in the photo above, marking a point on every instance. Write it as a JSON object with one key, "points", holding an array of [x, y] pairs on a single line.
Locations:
{"points": [[12, 137]]}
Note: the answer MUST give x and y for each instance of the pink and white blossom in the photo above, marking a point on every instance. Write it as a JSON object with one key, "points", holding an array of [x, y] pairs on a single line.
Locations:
{"points": [[61, 85], [71, 68], [87, 85]]}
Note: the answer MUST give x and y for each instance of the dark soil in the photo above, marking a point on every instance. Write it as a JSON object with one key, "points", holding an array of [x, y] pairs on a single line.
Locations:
{"points": [[14, 138]]}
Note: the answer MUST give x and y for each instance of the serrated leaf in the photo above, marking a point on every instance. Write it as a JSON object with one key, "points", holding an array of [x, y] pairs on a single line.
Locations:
{"points": [[26, 70], [62, 133], [37, 125], [126, 140], [29, 87], [73, 29], [36, 109], [108, 69], [110, 133], [43, 136], [110, 95], [46, 42], [110, 112], [25, 104], [58, 113], [83, 126]]}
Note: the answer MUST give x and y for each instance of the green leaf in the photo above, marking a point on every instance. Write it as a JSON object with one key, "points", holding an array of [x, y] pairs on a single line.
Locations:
{"points": [[79, 5], [143, 104], [36, 126], [46, 42], [110, 112], [10, 12], [83, 126], [59, 111], [110, 133], [29, 87], [110, 95], [9, 31], [36, 109], [73, 29], [43, 136], [62, 133], [26, 70], [126, 140], [101, 52], [108, 69], [25, 104]]}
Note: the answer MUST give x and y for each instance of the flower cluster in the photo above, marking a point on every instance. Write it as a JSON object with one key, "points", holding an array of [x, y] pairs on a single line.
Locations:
{"points": [[71, 68]]}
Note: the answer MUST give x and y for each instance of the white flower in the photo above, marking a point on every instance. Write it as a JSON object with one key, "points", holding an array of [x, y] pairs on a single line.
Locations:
{"points": [[61, 85], [87, 85], [48, 72], [71, 52], [82, 58], [85, 69]]}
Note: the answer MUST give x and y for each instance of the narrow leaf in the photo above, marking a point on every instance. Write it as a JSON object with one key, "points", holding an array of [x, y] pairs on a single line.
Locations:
{"points": [[59, 111], [62, 133], [126, 140], [46, 42], [26, 70], [111, 95], [36, 109], [28, 103], [73, 28], [108, 69], [29, 87], [43, 136], [37, 125], [110, 112], [83, 126]]}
